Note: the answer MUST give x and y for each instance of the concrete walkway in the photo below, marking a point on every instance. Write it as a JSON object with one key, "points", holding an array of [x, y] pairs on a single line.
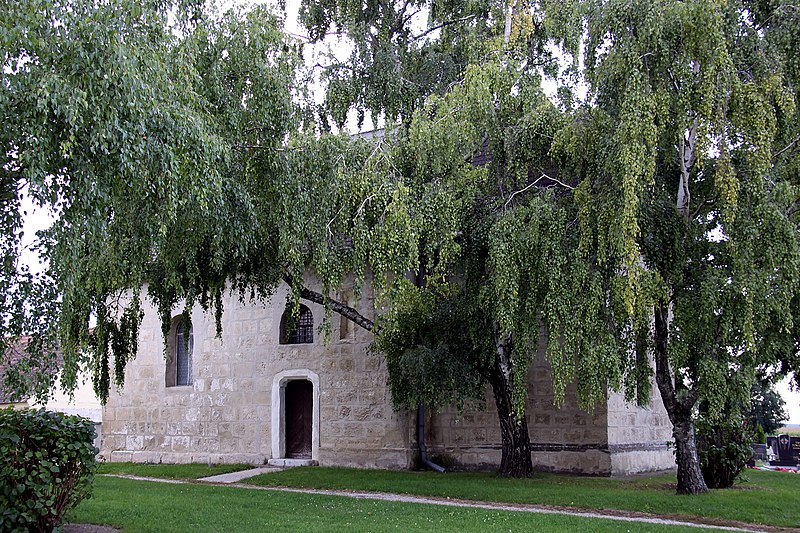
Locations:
{"points": [[235, 477], [622, 516]]}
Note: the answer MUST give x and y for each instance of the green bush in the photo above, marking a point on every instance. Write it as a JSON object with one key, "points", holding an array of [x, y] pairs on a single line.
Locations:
{"points": [[724, 448], [48, 464], [760, 436]]}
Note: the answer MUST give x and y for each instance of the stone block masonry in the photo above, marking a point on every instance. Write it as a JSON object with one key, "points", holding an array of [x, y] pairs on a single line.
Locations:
{"points": [[225, 415], [234, 410], [616, 438]]}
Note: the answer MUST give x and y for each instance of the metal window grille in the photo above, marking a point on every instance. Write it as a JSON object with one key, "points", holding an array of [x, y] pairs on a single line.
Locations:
{"points": [[303, 332], [183, 356]]}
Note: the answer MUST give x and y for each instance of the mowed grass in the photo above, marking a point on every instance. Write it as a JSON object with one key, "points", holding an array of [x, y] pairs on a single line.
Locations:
{"points": [[769, 498], [142, 506], [168, 471]]}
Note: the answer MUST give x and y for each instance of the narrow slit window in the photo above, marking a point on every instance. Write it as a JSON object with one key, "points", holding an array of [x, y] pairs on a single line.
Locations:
{"points": [[183, 355]]}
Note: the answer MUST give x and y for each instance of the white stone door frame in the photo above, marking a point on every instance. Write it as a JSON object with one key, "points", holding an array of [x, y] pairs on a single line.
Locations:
{"points": [[278, 431]]}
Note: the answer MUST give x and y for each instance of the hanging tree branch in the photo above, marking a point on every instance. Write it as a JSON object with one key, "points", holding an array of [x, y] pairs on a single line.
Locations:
{"points": [[337, 307], [785, 148], [440, 26]]}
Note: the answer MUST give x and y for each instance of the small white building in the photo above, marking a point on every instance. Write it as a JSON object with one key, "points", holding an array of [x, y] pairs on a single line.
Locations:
{"points": [[82, 402]]}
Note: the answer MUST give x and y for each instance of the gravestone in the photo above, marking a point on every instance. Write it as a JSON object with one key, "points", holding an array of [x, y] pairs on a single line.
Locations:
{"points": [[786, 450], [759, 454]]}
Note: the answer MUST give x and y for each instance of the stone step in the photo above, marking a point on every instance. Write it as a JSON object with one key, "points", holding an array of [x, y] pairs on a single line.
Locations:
{"points": [[286, 463]]}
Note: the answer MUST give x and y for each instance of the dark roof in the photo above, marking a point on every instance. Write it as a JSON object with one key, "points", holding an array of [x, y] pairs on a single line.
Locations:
{"points": [[369, 135], [14, 353], [15, 356]]}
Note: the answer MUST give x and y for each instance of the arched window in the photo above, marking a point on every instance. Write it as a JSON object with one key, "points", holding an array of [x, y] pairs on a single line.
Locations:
{"points": [[179, 365], [303, 331]]}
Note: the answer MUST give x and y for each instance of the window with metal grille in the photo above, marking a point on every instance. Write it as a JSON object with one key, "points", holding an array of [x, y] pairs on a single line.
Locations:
{"points": [[302, 331], [183, 355]]}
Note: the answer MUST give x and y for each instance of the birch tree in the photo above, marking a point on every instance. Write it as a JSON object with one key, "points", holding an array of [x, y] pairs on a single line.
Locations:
{"points": [[657, 214], [689, 188], [108, 122]]}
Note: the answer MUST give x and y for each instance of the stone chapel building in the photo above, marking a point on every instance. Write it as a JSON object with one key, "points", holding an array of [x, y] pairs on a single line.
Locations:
{"points": [[265, 394]]}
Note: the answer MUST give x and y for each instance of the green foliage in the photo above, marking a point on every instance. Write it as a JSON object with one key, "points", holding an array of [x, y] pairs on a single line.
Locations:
{"points": [[47, 469], [724, 448], [136, 132], [766, 413], [393, 67], [404, 52], [759, 436], [505, 267], [432, 355], [685, 188]]}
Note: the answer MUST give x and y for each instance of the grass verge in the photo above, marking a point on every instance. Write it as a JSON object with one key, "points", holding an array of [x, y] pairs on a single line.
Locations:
{"points": [[143, 506], [168, 471], [767, 498]]}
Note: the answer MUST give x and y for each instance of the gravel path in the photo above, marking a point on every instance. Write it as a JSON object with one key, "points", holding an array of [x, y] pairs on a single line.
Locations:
{"points": [[234, 477], [87, 528]]}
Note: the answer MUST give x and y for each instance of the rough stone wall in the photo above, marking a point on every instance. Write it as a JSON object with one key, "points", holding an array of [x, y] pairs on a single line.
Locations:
{"points": [[564, 439], [358, 426], [225, 415], [638, 436], [615, 439]]}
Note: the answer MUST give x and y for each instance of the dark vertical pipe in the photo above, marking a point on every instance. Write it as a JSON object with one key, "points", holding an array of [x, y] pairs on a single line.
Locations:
{"points": [[423, 450]]}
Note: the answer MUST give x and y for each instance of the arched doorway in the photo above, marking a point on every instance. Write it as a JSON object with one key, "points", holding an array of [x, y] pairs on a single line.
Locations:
{"points": [[295, 414], [299, 403]]}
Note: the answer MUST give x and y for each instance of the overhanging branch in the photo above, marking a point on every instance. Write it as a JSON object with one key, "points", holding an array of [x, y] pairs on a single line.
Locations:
{"points": [[440, 26], [785, 148], [337, 307]]}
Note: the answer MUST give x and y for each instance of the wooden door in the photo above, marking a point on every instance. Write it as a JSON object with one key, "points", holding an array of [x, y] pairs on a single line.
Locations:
{"points": [[299, 401]]}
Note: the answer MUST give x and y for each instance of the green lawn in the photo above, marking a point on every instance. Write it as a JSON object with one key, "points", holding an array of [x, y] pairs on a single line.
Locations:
{"points": [[166, 471], [141, 506], [771, 498]]}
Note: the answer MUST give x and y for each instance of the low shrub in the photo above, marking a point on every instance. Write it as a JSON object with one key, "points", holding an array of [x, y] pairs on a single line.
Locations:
{"points": [[760, 436], [48, 464], [724, 448]]}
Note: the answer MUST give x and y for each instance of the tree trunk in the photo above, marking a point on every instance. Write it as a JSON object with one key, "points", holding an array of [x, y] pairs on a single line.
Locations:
{"points": [[690, 477], [516, 442]]}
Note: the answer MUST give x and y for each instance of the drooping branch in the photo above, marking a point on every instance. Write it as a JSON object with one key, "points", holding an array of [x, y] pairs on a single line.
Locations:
{"points": [[533, 184], [686, 156], [786, 148], [705, 203], [337, 307], [440, 26]]}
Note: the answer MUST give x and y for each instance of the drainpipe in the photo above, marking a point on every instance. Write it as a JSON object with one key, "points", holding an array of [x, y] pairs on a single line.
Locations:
{"points": [[423, 450]]}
